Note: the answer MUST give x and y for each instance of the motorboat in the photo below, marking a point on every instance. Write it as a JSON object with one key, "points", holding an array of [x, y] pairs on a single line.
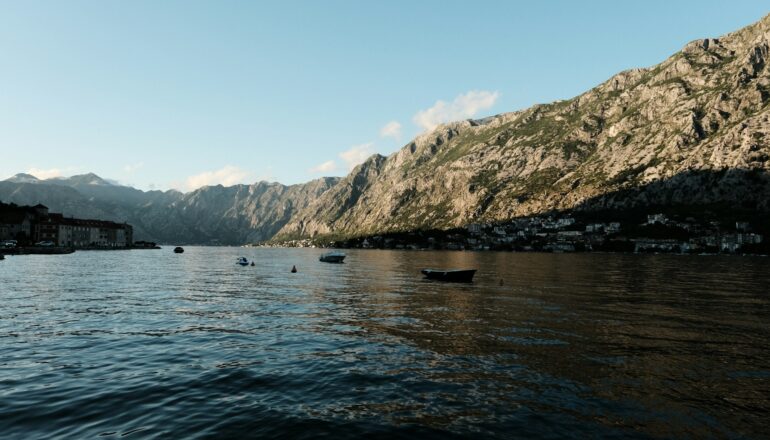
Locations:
{"points": [[453, 275], [242, 261], [178, 250], [332, 257]]}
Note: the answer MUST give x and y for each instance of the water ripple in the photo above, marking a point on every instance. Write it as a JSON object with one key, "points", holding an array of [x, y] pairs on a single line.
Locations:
{"points": [[150, 344]]}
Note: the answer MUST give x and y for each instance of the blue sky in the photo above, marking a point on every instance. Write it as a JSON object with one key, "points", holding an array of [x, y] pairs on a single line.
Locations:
{"points": [[177, 94]]}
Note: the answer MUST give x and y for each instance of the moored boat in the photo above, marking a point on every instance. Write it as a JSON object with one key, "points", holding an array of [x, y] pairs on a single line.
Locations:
{"points": [[178, 250], [242, 261], [454, 276], [332, 257]]}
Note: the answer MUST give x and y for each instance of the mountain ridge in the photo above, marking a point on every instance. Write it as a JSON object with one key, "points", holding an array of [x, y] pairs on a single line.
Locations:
{"points": [[209, 215], [703, 108], [691, 130]]}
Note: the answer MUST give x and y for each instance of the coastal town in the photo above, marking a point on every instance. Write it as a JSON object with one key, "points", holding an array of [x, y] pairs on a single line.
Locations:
{"points": [[655, 233], [36, 230]]}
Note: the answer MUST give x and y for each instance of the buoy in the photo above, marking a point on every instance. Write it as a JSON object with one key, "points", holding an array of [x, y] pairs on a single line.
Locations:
{"points": [[294, 269], [252, 263]]}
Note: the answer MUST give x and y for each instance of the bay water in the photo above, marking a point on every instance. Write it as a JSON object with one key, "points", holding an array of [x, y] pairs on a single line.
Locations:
{"points": [[152, 344]]}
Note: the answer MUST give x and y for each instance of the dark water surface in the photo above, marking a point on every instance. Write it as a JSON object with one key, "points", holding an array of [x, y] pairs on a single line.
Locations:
{"points": [[149, 344]]}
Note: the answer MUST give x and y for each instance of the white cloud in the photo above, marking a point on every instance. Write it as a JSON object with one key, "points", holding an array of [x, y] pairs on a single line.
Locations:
{"points": [[325, 167], [464, 106], [266, 176], [130, 168], [227, 176], [391, 129], [45, 174], [357, 154]]}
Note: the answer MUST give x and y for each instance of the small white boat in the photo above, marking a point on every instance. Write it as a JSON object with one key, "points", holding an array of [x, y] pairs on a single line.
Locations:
{"points": [[242, 261], [332, 257]]}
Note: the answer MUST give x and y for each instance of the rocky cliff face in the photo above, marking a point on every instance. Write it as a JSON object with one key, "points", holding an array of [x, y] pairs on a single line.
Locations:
{"points": [[694, 129], [230, 215]]}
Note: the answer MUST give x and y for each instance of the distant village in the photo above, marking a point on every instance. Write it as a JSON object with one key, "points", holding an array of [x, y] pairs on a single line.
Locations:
{"points": [[35, 227], [565, 233]]}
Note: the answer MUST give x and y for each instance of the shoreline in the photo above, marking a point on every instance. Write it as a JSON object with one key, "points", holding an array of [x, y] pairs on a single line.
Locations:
{"points": [[37, 250], [40, 250]]}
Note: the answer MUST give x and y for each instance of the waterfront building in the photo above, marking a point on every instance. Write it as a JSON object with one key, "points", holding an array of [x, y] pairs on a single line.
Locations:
{"points": [[15, 225], [36, 224]]}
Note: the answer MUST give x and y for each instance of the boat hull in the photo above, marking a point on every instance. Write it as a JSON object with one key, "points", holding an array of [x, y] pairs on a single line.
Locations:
{"points": [[332, 259], [451, 276]]}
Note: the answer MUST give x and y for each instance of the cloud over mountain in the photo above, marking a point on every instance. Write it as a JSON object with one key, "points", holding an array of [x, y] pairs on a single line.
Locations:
{"points": [[464, 106], [227, 176]]}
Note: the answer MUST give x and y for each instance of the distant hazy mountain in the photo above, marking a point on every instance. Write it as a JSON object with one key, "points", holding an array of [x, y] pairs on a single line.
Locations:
{"points": [[229, 215], [232, 215], [23, 178], [81, 180], [78, 180]]}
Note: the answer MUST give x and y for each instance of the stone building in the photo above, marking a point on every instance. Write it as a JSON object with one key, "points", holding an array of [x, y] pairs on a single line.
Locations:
{"points": [[36, 225]]}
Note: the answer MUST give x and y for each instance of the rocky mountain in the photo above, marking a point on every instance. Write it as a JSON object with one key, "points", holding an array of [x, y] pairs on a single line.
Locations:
{"points": [[86, 196], [693, 130], [58, 197], [23, 178], [210, 215], [230, 215]]}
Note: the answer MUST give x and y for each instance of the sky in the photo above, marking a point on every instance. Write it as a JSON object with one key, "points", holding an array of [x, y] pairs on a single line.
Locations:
{"points": [[181, 94]]}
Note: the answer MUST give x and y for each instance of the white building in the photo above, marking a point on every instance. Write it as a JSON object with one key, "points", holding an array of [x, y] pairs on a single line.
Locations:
{"points": [[656, 218]]}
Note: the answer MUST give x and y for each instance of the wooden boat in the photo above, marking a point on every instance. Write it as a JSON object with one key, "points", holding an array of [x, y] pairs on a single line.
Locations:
{"points": [[178, 250], [453, 276], [332, 257]]}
